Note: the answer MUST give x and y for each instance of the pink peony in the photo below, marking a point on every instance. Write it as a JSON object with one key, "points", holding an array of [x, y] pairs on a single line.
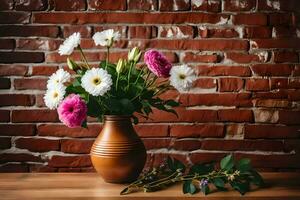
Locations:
{"points": [[157, 63], [72, 111]]}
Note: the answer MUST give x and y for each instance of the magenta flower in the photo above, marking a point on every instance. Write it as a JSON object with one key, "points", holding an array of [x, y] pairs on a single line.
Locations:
{"points": [[157, 63], [72, 111]]}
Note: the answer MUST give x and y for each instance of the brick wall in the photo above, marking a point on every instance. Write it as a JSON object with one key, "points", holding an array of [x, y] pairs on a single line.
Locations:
{"points": [[246, 99]]}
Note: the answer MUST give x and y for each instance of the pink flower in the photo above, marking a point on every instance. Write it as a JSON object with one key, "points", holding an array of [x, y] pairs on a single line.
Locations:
{"points": [[157, 63], [72, 111]]}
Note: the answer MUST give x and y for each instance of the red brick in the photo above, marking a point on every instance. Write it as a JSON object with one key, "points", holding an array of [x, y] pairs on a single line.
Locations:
{"points": [[43, 70], [205, 83], [280, 19], [10, 70], [32, 5], [41, 44], [68, 5], [37, 144], [289, 117], [280, 94], [271, 131], [239, 5], [235, 115], [272, 69], [5, 142], [41, 168], [13, 168], [217, 33], [36, 83], [76, 146], [271, 161], [257, 84], [26, 31], [284, 32], [225, 99], [223, 70], [212, 131], [230, 84], [21, 57], [144, 32], [186, 144], [7, 44], [294, 83], [194, 57], [244, 58], [257, 32], [183, 116], [271, 103], [107, 5], [243, 145], [285, 56], [174, 5], [13, 17], [143, 18], [285, 43], [70, 161], [146, 5], [34, 116], [204, 157], [206, 5], [176, 32], [277, 83], [268, 5], [156, 143], [17, 100], [152, 130], [250, 19], [85, 31], [63, 131], [17, 130], [7, 5], [4, 83], [4, 115], [294, 95], [266, 115], [19, 157]]}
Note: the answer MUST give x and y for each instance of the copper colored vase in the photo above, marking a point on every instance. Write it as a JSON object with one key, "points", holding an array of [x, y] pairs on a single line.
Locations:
{"points": [[118, 154]]}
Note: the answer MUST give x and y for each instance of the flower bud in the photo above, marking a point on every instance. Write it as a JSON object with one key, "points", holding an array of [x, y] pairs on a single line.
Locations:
{"points": [[134, 54], [72, 65], [120, 66]]}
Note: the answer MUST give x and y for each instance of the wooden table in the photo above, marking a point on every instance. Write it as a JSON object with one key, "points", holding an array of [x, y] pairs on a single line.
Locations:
{"points": [[281, 186]]}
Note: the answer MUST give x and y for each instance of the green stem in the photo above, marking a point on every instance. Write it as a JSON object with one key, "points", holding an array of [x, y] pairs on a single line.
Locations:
{"points": [[107, 58], [117, 81], [139, 75], [83, 57], [129, 73]]}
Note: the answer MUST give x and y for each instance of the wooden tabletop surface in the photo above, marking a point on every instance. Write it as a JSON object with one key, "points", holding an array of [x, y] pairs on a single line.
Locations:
{"points": [[280, 186]]}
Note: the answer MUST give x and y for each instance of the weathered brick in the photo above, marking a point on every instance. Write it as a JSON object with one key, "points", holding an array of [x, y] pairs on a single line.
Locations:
{"points": [[235, 115], [26, 31], [239, 5], [63, 131], [181, 131], [13, 70], [5, 142], [7, 5], [223, 70], [24, 84], [144, 32], [16, 100], [17, 130], [176, 32], [68, 5], [174, 5], [230, 84], [5, 83], [21, 57], [37, 144], [257, 84], [206, 5], [271, 131], [34, 116], [107, 5], [14, 17], [32, 5], [7, 44], [70, 161], [250, 19], [146, 5]]}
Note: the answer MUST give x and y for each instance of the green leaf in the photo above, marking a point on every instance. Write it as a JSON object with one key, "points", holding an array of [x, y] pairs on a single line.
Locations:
{"points": [[202, 168], [188, 187], [227, 163], [84, 124], [135, 119], [94, 108], [244, 165], [175, 164], [241, 187], [205, 189], [218, 182], [172, 103], [257, 179]]}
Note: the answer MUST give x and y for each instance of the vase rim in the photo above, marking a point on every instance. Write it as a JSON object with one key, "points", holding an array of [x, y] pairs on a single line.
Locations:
{"points": [[116, 117]]}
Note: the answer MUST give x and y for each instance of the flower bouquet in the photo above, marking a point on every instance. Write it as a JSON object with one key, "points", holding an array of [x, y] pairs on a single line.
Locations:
{"points": [[116, 93], [124, 88]]}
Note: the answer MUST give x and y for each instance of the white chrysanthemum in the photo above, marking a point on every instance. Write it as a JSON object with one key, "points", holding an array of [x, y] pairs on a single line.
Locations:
{"points": [[69, 44], [54, 96], [96, 81], [58, 78], [182, 77], [106, 38]]}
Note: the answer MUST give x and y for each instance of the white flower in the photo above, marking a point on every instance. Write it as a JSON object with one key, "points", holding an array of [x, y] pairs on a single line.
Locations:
{"points": [[58, 78], [106, 38], [69, 44], [96, 81], [54, 96], [182, 77]]}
